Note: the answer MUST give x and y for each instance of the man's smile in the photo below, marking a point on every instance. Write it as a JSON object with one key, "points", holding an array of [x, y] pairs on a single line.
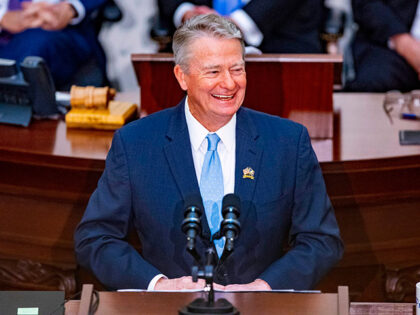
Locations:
{"points": [[223, 97]]}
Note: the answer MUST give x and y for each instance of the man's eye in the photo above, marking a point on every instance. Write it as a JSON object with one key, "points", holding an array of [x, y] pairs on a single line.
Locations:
{"points": [[237, 70]]}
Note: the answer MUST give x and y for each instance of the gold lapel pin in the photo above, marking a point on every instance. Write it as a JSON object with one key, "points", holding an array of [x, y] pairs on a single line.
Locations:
{"points": [[248, 173]]}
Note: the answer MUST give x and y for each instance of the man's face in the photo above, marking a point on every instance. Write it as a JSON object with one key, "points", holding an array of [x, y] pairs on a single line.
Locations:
{"points": [[215, 80]]}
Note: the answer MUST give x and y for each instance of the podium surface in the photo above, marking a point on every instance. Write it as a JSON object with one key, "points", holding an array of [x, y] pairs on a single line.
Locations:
{"points": [[128, 303]]}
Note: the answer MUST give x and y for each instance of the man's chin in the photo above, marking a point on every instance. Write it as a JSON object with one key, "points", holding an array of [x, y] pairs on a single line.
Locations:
{"points": [[226, 106], [226, 114]]}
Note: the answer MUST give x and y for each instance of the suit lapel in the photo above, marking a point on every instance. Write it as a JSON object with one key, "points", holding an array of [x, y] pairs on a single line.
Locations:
{"points": [[179, 156], [248, 155]]}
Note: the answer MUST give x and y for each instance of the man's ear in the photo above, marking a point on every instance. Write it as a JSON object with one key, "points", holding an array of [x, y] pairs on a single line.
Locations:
{"points": [[180, 76]]}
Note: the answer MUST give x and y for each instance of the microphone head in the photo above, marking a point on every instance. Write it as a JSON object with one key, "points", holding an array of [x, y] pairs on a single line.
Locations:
{"points": [[231, 200], [193, 200]]}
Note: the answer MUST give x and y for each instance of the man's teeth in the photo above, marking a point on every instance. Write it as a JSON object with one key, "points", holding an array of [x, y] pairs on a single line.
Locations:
{"points": [[223, 97]]}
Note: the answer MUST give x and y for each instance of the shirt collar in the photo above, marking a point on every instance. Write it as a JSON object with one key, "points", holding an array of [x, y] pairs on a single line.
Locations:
{"points": [[198, 132]]}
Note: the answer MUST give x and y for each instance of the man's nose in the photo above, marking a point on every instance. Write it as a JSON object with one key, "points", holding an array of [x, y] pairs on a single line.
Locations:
{"points": [[227, 82]]}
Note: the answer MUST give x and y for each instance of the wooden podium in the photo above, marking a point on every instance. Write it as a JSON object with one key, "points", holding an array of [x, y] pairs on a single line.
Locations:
{"points": [[298, 86], [246, 302]]}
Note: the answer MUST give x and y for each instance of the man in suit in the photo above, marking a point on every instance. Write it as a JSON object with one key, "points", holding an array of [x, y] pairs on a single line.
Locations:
{"points": [[156, 162], [281, 26], [387, 46], [61, 32]]}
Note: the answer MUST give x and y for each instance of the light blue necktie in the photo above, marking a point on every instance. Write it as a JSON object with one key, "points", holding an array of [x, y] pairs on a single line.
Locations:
{"points": [[226, 7], [211, 188]]}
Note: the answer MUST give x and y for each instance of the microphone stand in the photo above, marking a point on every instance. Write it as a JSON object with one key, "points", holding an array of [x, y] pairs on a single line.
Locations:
{"points": [[230, 228], [209, 306]]}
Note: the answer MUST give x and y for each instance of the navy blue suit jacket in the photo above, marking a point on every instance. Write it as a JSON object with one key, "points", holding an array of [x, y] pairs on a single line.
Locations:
{"points": [[149, 171], [381, 19]]}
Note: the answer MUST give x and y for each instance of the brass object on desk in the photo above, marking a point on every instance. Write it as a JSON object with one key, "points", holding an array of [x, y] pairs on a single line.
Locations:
{"points": [[95, 108], [90, 96]]}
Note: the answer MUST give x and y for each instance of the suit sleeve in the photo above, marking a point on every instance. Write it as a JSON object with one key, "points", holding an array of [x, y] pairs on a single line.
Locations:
{"points": [[267, 13], [100, 238], [92, 5], [167, 9], [378, 20], [314, 235]]}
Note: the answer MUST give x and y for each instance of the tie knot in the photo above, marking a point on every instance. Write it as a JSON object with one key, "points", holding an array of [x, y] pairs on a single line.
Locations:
{"points": [[212, 139]]}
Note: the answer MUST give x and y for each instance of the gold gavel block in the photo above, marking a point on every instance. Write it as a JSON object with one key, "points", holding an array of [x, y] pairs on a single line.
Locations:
{"points": [[113, 117], [94, 107]]}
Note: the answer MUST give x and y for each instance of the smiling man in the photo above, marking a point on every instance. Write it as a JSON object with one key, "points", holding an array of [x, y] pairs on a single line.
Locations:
{"points": [[214, 78], [211, 146]]}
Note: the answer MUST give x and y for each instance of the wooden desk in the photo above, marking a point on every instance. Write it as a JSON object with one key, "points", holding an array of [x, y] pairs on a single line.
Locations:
{"points": [[48, 173], [374, 185]]}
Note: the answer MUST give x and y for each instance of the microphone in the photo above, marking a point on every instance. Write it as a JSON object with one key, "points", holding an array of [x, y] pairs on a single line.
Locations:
{"points": [[191, 225], [230, 226]]}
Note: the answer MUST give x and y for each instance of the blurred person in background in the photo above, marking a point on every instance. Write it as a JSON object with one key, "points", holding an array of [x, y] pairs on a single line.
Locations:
{"points": [[281, 26], [61, 32], [339, 32], [387, 45]]}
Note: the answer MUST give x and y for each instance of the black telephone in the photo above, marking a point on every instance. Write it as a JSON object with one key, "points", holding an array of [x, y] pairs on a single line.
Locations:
{"points": [[31, 88]]}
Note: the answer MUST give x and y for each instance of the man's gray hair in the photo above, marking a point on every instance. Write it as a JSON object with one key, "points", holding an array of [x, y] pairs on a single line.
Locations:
{"points": [[208, 25]]}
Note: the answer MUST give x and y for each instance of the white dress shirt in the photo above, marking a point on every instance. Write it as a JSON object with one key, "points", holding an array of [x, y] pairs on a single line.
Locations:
{"points": [[415, 28], [226, 149]]}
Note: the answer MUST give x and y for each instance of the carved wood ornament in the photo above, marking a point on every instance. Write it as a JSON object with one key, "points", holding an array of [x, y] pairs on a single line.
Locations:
{"points": [[400, 283], [31, 275]]}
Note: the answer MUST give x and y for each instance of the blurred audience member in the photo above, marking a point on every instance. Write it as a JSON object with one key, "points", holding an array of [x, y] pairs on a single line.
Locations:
{"points": [[341, 29], [280, 26], [58, 31], [387, 46]]}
